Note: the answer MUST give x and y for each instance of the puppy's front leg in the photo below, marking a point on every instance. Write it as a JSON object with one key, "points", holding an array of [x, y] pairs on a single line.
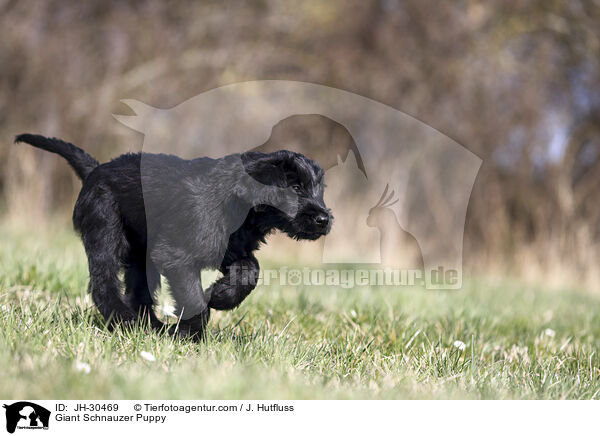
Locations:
{"points": [[190, 301], [239, 279]]}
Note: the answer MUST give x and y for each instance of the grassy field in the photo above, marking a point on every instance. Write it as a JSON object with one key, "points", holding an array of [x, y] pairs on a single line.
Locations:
{"points": [[284, 342]]}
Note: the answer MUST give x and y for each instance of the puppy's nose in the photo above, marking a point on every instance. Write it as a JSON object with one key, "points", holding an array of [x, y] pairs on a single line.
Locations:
{"points": [[322, 219]]}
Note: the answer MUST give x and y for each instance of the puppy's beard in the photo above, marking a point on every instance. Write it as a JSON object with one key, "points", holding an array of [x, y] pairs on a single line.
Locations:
{"points": [[307, 233], [309, 236]]}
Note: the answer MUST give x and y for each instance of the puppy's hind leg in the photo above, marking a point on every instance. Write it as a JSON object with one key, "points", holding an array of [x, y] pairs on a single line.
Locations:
{"points": [[141, 281], [98, 220]]}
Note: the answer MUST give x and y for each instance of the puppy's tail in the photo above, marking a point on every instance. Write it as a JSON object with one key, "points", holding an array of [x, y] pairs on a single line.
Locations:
{"points": [[82, 162]]}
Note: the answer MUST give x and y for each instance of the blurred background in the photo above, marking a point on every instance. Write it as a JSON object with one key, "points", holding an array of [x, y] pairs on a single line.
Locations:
{"points": [[515, 82]]}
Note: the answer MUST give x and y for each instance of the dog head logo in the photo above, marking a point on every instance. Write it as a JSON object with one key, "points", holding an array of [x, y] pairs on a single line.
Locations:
{"points": [[398, 189], [26, 415]]}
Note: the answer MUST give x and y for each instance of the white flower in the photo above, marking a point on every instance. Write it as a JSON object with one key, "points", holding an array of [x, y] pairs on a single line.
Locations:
{"points": [[550, 333], [460, 345], [82, 367], [28, 323], [147, 356]]}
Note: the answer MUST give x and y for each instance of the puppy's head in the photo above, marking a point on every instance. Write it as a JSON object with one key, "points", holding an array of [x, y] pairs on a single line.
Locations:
{"points": [[286, 169]]}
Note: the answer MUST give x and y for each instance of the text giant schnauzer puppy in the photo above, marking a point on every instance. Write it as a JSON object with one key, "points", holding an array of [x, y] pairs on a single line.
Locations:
{"points": [[155, 214]]}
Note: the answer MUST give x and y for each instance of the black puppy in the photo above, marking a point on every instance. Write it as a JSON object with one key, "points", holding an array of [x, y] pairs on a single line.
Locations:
{"points": [[154, 214]]}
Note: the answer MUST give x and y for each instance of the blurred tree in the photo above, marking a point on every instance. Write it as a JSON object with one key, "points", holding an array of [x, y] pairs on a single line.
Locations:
{"points": [[516, 82]]}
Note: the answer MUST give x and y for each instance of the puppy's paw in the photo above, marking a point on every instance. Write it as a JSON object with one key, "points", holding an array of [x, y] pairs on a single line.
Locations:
{"points": [[193, 328], [122, 319]]}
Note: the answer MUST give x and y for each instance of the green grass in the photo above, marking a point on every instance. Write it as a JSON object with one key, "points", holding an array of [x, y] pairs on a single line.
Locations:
{"points": [[299, 343]]}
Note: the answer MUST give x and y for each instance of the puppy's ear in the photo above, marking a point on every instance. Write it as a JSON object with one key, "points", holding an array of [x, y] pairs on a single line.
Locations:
{"points": [[269, 169]]}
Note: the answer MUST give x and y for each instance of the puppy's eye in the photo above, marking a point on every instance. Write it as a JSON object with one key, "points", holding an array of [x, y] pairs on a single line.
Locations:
{"points": [[297, 188]]}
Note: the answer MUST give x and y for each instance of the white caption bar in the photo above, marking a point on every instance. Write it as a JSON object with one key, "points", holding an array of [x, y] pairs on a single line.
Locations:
{"points": [[298, 417]]}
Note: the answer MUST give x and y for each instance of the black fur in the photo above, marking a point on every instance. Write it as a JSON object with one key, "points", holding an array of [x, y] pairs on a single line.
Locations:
{"points": [[154, 214], [82, 163]]}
